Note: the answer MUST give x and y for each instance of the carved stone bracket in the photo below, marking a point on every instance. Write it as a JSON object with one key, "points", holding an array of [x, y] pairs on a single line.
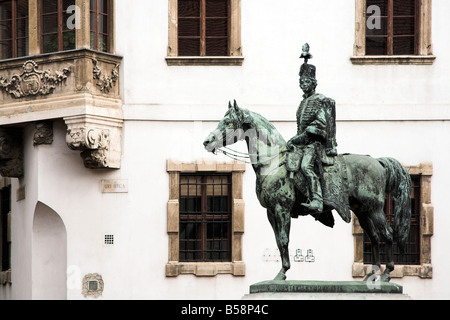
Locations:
{"points": [[99, 139], [32, 82], [11, 153], [105, 82]]}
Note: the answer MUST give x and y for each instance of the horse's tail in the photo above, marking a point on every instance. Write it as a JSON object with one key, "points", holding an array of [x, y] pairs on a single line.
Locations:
{"points": [[398, 184]]}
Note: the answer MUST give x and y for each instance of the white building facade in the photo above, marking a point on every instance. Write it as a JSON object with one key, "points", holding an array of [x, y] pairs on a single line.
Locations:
{"points": [[109, 224]]}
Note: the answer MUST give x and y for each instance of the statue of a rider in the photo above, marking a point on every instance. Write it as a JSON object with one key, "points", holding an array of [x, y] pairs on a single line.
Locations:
{"points": [[314, 145]]}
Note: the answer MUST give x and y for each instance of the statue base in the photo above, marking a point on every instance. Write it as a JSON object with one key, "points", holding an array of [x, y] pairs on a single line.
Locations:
{"points": [[325, 290]]}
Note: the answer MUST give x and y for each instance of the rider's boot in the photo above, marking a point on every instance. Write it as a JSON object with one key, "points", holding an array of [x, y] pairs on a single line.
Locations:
{"points": [[316, 204]]}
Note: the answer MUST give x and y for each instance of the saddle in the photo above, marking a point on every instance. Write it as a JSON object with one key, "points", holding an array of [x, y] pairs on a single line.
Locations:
{"points": [[333, 180]]}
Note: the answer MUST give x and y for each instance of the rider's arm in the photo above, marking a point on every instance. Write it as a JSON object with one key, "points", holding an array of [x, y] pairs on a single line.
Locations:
{"points": [[319, 126]]}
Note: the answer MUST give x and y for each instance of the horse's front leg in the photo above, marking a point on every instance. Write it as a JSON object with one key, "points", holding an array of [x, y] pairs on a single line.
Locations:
{"points": [[280, 220]]}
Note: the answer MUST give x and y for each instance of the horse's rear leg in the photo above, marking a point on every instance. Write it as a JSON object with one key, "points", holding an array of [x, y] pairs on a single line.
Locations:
{"points": [[386, 277], [280, 220], [378, 229], [385, 233], [366, 222], [376, 261]]}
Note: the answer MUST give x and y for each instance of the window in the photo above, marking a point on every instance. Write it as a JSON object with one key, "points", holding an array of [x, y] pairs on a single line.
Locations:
{"points": [[100, 25], [55, 32], [13, 28], [54, 27], [5, 230], [205, 219], [411, 255], [203, 27], [393, 32], [204, 32], [392, 28], [417, 258]]}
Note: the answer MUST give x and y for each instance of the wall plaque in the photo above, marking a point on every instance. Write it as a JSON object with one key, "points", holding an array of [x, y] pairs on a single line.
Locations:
{"points": [[114, 186]]}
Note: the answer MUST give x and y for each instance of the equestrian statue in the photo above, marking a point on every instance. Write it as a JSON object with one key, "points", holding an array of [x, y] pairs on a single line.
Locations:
{"points": [[306, 175]]}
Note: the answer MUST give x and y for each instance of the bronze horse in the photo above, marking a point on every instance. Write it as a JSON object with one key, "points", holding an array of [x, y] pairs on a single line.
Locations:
{"points": [[368, 181]]}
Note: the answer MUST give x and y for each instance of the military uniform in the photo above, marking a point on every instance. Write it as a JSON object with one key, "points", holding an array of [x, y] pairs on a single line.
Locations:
{"points": [[315, 141]]}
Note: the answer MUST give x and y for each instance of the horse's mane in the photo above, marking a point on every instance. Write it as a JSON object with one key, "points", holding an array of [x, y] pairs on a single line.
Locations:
{"points": [[263, 125]]}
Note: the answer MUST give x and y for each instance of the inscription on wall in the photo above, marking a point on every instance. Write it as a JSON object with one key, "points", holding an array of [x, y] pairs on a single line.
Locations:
{"points": [[114, 186]]}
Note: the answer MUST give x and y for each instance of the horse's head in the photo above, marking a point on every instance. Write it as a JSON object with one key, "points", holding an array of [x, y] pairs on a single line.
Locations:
{"points": [[229, 130]]}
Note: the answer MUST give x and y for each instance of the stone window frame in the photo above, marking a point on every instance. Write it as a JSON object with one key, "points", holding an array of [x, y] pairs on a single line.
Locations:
{"points": [[425, 269], [236, 266], [234, 59], [425, 49]]}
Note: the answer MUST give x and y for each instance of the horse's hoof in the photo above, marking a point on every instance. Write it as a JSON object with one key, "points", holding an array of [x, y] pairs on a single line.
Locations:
{"points": [[280, 276]]}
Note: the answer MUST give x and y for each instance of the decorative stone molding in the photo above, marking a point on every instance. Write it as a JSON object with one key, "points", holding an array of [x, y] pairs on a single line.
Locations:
{"points": [[43, 133], [104, 82], [32, 82], [11, 153], [99, 139]]}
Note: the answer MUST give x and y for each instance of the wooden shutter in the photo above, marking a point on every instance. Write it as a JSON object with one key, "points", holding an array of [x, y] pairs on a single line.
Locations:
{"points": [[203, 27], [189, 23], [216, 20], [397, 34], [404, 27]]}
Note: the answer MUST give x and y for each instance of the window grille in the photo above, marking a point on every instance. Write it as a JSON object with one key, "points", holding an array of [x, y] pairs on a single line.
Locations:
{"points": [[205, 217]]}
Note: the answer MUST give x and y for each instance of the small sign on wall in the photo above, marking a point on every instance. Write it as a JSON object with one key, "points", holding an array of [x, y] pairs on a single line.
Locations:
{"points": [[114, 186]]}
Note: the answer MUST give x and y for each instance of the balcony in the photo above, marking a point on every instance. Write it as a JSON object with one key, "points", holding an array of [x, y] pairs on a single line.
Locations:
{"points": [[80, 86]]}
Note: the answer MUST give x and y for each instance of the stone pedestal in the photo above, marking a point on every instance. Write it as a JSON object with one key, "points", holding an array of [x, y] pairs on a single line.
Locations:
{"points": [[325, 290]]}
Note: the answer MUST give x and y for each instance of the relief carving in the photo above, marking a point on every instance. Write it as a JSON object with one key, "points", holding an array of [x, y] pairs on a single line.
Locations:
{"points": [[105, 82], [98, 138], [11, 153], [43, 133], [32, 82], [94, 144]]}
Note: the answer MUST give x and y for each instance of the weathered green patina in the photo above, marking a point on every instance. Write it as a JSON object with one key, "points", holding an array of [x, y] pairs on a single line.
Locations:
{"points": [[346, 182], [325, 287]]}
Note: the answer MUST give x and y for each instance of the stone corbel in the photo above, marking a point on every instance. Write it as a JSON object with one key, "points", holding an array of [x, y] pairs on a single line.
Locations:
{"points": [[98, 138], [11, 153]]}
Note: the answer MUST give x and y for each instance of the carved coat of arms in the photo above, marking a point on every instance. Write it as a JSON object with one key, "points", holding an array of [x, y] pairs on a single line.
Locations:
{"points": [[32, 82]]}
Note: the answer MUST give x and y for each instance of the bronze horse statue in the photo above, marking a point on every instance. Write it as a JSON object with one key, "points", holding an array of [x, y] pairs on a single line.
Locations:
{"points": [[355, 182]]}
